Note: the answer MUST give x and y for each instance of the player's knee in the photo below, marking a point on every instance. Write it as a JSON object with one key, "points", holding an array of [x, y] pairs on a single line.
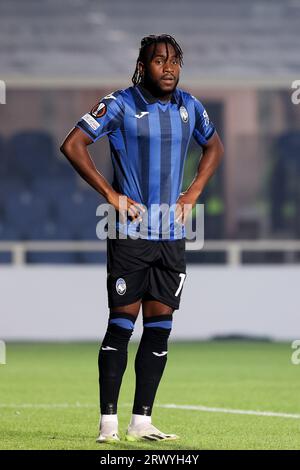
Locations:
{"points": [[157, 330], [119, 331]]}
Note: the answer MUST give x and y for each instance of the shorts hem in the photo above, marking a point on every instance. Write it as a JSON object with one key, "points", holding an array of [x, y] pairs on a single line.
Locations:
{"points": [[131, 301], [164, 301], [156, 297]]}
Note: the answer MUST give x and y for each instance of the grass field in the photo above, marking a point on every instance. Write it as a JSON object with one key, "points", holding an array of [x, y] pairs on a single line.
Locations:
{"points": [[49, 397]]}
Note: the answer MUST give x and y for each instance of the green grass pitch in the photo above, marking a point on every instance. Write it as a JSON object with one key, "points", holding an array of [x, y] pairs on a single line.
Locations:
{"points": [[223, 374]]}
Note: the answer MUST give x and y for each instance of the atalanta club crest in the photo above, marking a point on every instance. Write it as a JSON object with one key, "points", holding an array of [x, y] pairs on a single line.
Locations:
{"points": [[121, 286], [184, 114], [99, 110]]}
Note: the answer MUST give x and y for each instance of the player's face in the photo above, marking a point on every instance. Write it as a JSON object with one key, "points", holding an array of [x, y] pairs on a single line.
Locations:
{"points": [[162, 72]]}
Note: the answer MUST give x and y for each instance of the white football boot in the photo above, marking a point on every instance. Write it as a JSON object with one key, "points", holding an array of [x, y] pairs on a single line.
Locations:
{"points": [[147, 432]]}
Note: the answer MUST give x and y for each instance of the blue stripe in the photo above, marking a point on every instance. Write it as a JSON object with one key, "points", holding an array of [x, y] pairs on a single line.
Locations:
{"points": [[118, 151], [133, 157], [186, 136], [113, 122], [123, 323], [176, 156], [159, 324], [143, 138], [175, 165]]}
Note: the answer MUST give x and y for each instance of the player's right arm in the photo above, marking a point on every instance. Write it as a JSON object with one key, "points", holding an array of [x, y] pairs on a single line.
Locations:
{"points": [[75, 149]]}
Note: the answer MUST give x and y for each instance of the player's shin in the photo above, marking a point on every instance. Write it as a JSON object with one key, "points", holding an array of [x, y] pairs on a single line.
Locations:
{"points": [[112, 362], [150, 363]]}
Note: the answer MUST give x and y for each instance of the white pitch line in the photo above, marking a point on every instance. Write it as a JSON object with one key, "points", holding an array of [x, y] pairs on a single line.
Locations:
{"points": [[47, 405], [168, 406], [232, 411]]}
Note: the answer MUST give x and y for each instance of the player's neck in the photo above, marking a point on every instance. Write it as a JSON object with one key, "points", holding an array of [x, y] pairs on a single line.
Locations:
{"points": [[156, 94]]}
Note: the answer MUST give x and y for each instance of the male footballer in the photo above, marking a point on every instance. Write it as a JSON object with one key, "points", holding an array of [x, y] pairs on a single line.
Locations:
{"points": [[149, 126]]}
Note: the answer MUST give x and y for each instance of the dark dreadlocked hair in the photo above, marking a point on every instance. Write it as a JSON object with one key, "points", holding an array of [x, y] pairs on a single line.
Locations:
{"points": [[145, 43]]}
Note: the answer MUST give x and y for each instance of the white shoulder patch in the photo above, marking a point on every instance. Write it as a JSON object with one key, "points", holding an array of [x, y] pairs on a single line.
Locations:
{"points": [[91, 121]]}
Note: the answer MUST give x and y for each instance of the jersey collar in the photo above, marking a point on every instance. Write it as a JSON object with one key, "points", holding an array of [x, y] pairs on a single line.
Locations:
{"points": [[150, 99]]}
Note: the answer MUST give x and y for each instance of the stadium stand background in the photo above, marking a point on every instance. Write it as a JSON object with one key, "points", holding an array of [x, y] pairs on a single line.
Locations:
{"points": [[57, 59]]}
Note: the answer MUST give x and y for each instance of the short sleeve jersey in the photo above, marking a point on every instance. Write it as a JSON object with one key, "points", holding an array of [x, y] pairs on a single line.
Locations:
{"points": [[149, 140]]}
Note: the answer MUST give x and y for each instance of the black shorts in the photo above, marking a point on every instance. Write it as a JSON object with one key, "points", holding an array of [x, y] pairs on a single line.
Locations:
{"points": [[145, 269]]}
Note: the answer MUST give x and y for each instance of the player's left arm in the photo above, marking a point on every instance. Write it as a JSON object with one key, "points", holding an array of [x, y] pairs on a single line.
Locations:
{"points": [[212, 155], [211, 159], [206, 136]]}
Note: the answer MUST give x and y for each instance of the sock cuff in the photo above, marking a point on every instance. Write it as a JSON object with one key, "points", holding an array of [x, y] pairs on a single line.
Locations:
{"points": [[137, 419], [124, 320], [159, 321], [110, 418]]}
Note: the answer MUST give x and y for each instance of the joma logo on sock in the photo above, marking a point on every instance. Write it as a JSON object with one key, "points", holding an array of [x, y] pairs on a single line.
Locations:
{"points": [[160, 354]]}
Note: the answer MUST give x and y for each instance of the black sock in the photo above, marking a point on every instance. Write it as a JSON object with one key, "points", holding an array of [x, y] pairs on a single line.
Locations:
{"points": [[112, 359], [150, 362]]}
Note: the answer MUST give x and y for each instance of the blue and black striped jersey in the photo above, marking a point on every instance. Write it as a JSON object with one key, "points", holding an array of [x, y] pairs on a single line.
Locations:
{"points": [[149, 140]]}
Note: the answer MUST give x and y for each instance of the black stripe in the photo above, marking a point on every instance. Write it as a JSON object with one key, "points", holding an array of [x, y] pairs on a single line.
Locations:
{"points": [[149, 438], [158, 318], [165, 156], [119, 173], [165, 163], [122, 130]]}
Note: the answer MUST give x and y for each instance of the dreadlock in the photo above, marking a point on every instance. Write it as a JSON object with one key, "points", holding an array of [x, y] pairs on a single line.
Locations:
{"points": [[145, 43]]}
